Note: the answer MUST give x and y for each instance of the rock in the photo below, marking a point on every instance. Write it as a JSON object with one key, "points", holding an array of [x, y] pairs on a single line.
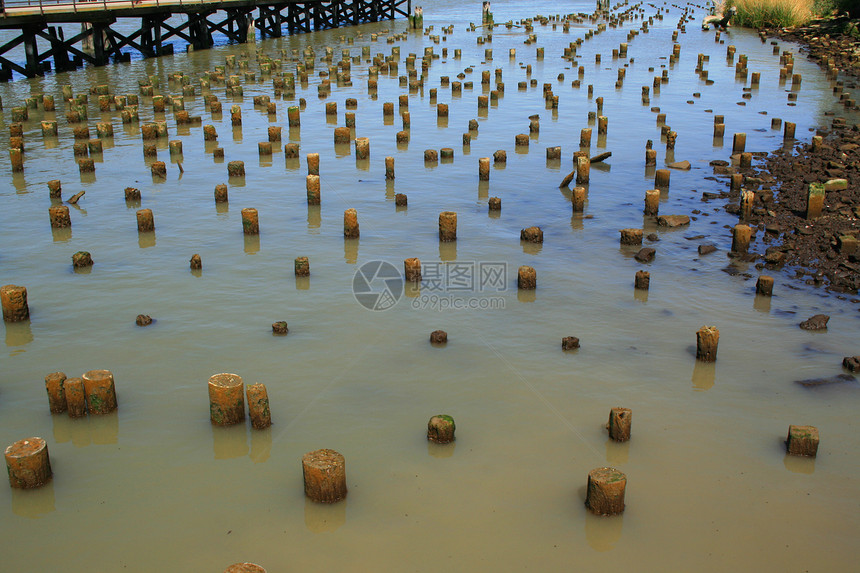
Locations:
{"points": [[683, 165], [838, 379], [645, 255], [836, 185], [569, 343], [817, 322], [143, 320], [851, 363], [707, 249], [653, 237], [673, 220]]}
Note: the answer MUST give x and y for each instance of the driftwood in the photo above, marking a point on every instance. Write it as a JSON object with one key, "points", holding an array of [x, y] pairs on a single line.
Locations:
{"points": [[74, 198], [596, 159]]}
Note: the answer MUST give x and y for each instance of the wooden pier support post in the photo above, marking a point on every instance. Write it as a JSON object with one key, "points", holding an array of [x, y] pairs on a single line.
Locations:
{"points": [[324, 474], [28, 464], [707, 339], [145, 222], [350, 224], [652, 202], [389, 168], [484, 169], [661, 178], [440, 429], [605, 491], [60, 218], [739, 143], [802, 441], [577, 199], [250, 221], [302, 267], [447, 226], [741, 235], [312, 184], [13, 299], [76, 398], [620, 420], [814, 200], [526, 278], [100, 391], [226, 399], [56, 394], [258, 406], [764, 285], [412, 270], [642, 280]]}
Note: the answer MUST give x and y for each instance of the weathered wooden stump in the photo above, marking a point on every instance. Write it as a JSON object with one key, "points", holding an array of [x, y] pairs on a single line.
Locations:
{"points": [[280, 327], [60, 218], [100, 391], [494, 204], [605, 491], [642, 280], [28, 464], [815, 200], [447, 226], [226, 399], [569, 343], [258, 406], [145, 221], [350, 224], [484, 169], [56, 394], [802, 440], [741, 235], [324, 474], [312, 185], [13, 299], [526, 278], [438, 337], [764, 285], [82, 259], [196, 262], [532, 235], [302, 267], [577, 199], [76, 398], [707, 339], [440, 429], [631, 236], [250, 221], [245, 567], [620, 420]]}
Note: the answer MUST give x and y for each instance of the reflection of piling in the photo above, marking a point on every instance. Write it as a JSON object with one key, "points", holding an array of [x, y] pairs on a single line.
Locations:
{"points": [[324, 474], [605, 491], [707, 339]]}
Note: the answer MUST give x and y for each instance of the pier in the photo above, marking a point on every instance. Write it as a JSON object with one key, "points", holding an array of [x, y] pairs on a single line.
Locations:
{"points": [[38, 24]]}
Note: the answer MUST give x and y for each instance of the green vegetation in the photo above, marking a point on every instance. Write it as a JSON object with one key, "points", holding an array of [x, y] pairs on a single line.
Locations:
{"points": [[772, 13]]}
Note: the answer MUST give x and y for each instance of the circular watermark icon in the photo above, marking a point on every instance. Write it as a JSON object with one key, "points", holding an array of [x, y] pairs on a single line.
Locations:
{"points": [[377, 285]]}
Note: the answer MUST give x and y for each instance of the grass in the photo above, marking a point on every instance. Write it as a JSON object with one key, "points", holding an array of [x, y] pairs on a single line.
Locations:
{"points": [[772, 13]]}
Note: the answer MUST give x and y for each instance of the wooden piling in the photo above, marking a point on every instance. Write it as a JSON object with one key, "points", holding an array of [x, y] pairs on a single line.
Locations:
{"points": [[605, 491], [313, 161], [440, 429], [802, 441], [447, 226], [302, 267], [196, 263], [59, 215], [389, 168], [764, 285], [221, 193], [350, 224], [226, 399], [250, 221], [739, 143], [13, 299], [741, 235], [56, 394], [814, 200], [526, 278], [631, 236], [76, 398], [484, 169], [583, 170], [620, 420], [258, 406], [28, 464], [100, 391], [642, 280], [145, 221], [362, 148], [707, 339], [661, 178], [312, 184], [324, 473], [578, 199], [652, 202], [412, 270]]}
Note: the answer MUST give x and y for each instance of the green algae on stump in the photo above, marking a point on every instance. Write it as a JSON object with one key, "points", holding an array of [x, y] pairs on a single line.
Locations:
{"points": [[226, 399], [100, 391]]}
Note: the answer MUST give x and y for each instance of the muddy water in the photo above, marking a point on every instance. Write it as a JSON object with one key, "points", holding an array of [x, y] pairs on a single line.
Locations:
{"points": [[156, 487]]}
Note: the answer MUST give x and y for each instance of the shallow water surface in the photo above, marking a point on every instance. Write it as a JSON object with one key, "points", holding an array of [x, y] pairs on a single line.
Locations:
{"points": [[156, 487]]}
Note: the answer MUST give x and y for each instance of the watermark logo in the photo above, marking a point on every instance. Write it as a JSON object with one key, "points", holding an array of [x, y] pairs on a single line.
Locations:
{"points": [[377, 285]]}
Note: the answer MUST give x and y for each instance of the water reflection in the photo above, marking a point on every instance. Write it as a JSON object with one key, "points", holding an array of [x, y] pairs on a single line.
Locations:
{"points": [[531, 248], [483, 189], [252, 244], [526, 295], [603, 531], [261, 445], [350, 250], [761, 303], [324, 517], [230, 441], [640, 295], [18, 333], [448, 251], [19, 183], [104, 429], [33, 503], [704, 374], [146, 239], [220, 208], [441, 450], [411, 289], [799, 464], [314, 218], [617, 452]]}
